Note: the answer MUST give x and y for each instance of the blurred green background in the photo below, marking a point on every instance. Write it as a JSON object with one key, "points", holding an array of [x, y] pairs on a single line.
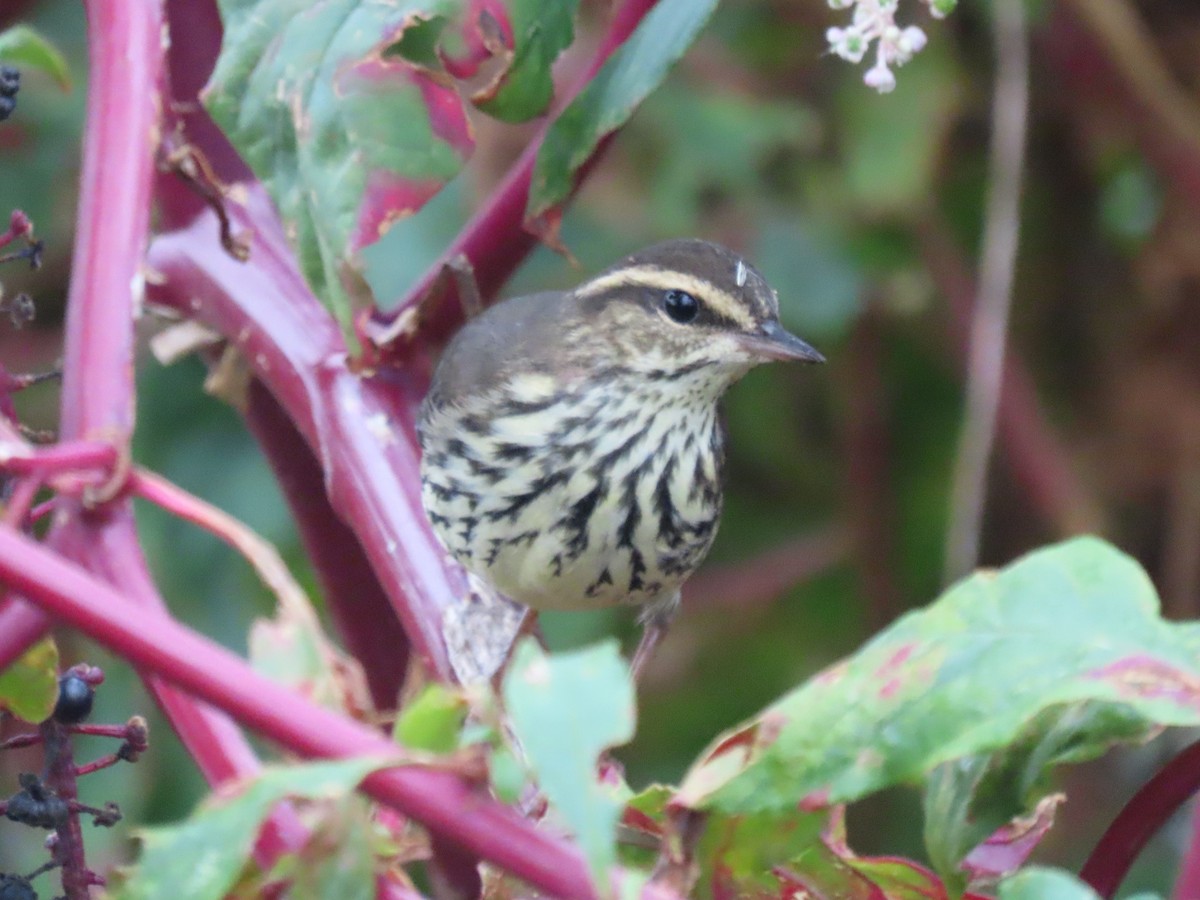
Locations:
{"points": [[864, 211]]}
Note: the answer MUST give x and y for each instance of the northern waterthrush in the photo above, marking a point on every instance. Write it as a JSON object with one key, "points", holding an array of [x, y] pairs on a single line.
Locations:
{"points": [[572, 449]]}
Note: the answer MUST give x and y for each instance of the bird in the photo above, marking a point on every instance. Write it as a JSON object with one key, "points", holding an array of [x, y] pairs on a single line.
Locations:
{"points": [[572, 451]]}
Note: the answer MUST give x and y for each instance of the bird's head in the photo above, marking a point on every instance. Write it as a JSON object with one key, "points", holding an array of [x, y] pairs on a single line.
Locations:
{"points": [[685, 310]]}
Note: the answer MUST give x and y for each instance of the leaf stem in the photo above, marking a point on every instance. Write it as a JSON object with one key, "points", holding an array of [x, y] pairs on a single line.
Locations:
{"points": [[444, 803], [495, 240], [1137, 822]]}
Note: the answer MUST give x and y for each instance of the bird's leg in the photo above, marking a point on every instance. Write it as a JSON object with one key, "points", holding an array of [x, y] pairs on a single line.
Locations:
{"points": [[655, 619]]}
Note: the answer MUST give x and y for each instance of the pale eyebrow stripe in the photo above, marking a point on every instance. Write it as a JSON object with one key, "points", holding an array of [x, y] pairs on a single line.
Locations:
{"points": [[721, 302]]}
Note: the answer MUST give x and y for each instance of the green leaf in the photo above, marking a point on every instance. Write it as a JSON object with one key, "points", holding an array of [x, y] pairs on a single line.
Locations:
{"points": [[1045, 884], [739, 853], [346, 133], [565, 710], [970, 799], [820, 287], [433, 721], [292, 649], [891, 144], [202, 857], [610, 99], [29, 687], [23, 46], [1131, 203], [342, 863], [542, 29], [1059, 630]]}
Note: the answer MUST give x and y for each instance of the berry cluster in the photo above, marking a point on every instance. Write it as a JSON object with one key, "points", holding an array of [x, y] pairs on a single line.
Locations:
{"points": [[49, 801], [10, 83]]}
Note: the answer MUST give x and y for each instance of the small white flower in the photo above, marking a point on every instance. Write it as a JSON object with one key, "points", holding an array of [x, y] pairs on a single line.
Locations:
{"points": [[848, 43], [913, 40], [880, 77], [873, 23]]}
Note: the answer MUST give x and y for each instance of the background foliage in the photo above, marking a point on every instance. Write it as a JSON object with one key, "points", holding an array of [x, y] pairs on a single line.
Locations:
{"points": [[863, 211]]}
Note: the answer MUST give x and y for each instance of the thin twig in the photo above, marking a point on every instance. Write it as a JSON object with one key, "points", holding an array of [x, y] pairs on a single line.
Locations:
{"points": [[985, 366]]}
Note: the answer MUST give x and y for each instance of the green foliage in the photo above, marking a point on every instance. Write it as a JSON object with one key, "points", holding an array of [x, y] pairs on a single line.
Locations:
{"points": [[1038, 883], [565, 710], [29, 687], [1059, 629], [24, 46], [611, 97], [432, 721], [542, 29], [346, 136], [891, 144], [203, 857]]}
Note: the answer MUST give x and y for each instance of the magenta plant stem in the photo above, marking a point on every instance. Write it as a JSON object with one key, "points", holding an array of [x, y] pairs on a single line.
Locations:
{"points": [[358, 426], [495, 240], [125, 58], [360, 608], [122, 129], [1172, 786], [450, 807], [67, 456]]}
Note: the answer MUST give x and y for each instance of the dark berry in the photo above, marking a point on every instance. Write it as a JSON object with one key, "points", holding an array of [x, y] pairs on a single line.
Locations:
{"points": [[10, 80], [74, 699], [14, 887], [36, 806], [7, 105]]}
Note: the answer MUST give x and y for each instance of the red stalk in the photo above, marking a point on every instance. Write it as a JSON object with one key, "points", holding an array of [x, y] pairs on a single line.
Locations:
{"points": [[67, 456], [356, 601], [495, 239], [1148, 810], [125, 60], [358, 426], [446, 804]]}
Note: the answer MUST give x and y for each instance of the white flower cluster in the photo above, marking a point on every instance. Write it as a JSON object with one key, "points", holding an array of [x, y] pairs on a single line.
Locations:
{"points": [[874, 22]]}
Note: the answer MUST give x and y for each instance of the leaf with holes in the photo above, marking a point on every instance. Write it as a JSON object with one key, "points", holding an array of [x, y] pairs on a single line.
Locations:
{"points": [[565, 710], [1049, 660], [523, 88], [202, 857], [339, 108]]}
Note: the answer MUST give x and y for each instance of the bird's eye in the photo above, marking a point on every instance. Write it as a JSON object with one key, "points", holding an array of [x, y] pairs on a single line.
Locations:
{"points": [[681, 306]]}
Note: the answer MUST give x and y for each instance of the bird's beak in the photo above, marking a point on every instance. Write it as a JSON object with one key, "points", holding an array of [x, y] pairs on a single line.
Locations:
{"points": [[773, 341]]}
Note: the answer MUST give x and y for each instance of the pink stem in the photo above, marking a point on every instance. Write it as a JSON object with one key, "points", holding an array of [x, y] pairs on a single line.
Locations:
{"points": [[67, 456], [358, 426], [495, 240], [356, 600], [125, 62], [125, 43], [448, 806], [1137, 822]]}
